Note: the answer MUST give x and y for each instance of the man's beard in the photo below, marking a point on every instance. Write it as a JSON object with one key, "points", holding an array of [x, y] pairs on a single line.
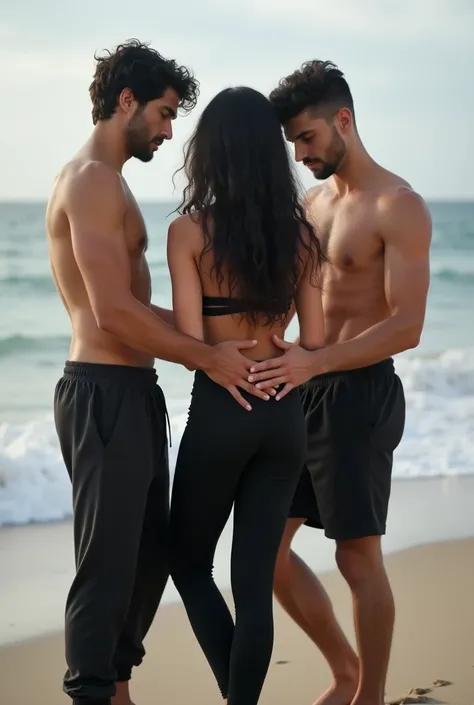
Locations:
{"points": [[336, 153], [137, 138]]}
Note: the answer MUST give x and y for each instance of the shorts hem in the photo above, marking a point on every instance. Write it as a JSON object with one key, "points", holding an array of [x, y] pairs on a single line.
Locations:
{"points": [[335, 535], [307, 521], [354, 535], [314, 524]]}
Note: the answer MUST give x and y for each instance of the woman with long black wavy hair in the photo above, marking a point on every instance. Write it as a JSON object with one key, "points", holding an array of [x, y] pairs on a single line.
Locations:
{"points": [[242, 258]]}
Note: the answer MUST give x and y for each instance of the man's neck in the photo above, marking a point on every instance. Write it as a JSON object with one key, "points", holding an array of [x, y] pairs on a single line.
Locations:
{"points": [[356, 170], [106, 144]]}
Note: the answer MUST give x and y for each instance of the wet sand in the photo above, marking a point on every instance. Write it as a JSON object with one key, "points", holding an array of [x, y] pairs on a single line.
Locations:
{"points": [[434, 636]]}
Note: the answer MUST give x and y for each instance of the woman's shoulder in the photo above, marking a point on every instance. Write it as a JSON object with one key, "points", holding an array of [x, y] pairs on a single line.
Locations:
{"points": [[186, 230]]}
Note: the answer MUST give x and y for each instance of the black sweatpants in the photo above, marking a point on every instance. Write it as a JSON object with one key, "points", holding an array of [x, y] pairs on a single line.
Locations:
{"points": [[251, 462], [111, 423]]}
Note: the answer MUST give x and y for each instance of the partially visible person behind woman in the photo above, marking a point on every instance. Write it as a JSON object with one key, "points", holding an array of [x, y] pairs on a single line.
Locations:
{"points": [[242, 259]]}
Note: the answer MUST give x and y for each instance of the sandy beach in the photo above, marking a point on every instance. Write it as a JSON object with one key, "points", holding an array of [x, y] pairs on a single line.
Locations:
{"points": [[433, 586], [373, 160]]}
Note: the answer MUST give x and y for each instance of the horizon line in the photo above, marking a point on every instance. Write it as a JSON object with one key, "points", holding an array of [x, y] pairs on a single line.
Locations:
{"points": [[151, 201]]}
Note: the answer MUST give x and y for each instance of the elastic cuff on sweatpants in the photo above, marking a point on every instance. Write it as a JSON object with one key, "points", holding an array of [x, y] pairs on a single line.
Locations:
{"points": [[123, 675]]}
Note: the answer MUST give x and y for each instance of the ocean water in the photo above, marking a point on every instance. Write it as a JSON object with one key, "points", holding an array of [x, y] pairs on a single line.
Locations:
{"points": [[34, 337]]}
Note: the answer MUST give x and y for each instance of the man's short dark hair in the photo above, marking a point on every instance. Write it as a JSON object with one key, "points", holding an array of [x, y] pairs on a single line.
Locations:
{"points": [[136, 66], [318, 85]]}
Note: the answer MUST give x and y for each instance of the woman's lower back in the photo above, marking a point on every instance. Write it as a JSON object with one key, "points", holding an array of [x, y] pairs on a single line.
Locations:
{"points": [[220, 328]]}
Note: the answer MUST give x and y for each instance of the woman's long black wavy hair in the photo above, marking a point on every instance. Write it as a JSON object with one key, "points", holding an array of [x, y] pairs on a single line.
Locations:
{"points": [[242, 185]]}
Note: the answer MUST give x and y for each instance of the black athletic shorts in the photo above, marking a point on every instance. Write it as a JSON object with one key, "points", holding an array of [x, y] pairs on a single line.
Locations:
{"points": [[355, 420]]}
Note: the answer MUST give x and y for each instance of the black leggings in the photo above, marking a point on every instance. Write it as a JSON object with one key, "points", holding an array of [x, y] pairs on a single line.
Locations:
{"points": [[251, 462]]}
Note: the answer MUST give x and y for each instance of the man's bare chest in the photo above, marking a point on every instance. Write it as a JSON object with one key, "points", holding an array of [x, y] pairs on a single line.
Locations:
{"points": [[348, 237]]}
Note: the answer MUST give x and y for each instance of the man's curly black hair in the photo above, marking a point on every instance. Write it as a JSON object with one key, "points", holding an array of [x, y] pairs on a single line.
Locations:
{"points": [[136, 66]]}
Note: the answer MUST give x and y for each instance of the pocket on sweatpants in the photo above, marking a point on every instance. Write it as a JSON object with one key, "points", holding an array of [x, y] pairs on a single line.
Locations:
{"points": [[104, 414]]}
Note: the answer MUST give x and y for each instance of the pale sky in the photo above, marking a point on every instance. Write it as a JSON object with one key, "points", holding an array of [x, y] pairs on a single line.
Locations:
{"points": [[409, 64]]}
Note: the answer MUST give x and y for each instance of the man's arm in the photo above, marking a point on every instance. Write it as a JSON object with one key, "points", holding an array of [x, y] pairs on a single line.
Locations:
{"points": [[96, 208], [96, 211], [406, 233]]}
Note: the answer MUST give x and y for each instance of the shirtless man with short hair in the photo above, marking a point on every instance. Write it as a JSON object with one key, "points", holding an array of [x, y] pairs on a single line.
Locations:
{"points": [[110, 414], [376, 232]]}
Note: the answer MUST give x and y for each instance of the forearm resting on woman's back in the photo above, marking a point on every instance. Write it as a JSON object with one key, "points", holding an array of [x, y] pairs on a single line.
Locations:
{"points": [[143, 330]]}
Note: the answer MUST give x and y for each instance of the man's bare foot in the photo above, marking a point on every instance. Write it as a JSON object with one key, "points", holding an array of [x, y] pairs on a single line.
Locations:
{"points": [[341, 692]]}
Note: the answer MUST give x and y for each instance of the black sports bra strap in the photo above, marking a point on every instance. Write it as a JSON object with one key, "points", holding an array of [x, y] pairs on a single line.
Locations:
{"points": [[223, 305]]}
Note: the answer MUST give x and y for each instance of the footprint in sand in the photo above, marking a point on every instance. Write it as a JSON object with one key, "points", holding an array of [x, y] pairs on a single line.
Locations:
{"points": [[419, 695], [408, 699]]}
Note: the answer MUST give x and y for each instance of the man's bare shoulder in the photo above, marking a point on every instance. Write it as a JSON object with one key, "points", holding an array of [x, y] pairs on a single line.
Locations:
{"points": [[312, 194], [91, 178], [87, 195], [313, 204], [401, 199], [403, 213]]}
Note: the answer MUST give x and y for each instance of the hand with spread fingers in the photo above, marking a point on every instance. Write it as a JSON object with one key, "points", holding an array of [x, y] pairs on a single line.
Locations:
{"points": [[292, 369], [230, 369]]}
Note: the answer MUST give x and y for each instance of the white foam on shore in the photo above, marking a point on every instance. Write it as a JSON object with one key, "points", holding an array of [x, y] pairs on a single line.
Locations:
{"points": [[438, 440]]}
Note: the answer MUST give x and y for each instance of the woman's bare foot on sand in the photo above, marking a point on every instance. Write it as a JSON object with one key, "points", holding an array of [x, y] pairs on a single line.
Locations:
{"points": [[341, 692]]}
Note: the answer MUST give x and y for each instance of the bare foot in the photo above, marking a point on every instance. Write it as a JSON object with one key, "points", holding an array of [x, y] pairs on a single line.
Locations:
{"points": [[340, 693]]}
